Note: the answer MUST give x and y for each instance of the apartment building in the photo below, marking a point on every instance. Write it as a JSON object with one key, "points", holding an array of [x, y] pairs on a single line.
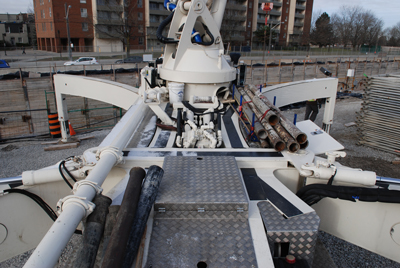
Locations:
{"points": [[94, 25], [290, 19], [155, 14], [51, 27], [14, 29], [119, 24], [114, 25]]}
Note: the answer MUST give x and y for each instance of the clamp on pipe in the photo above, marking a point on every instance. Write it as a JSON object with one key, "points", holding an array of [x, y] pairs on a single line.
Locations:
{"points": [[94, 185], [86, 205], [113, 150]]}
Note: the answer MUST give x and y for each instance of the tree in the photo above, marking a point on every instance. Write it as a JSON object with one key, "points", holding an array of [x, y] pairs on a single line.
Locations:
{"points": [[357, 26], [322, 33], [262, 32]]}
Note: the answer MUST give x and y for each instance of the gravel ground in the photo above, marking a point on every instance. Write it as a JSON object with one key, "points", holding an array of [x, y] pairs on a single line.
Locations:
{"points": [[19, 156]]}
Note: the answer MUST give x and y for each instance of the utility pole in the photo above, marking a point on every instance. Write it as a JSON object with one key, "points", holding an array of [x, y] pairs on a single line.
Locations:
{"points": [[270, 34], [69, 37], [4, 42]]}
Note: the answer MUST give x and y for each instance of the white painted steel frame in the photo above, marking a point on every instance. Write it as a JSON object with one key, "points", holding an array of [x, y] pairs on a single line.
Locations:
{"points": [[50, 248], [120, 95]]}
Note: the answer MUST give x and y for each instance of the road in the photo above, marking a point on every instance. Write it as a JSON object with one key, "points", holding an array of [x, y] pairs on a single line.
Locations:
{"points": [[38, 58]]}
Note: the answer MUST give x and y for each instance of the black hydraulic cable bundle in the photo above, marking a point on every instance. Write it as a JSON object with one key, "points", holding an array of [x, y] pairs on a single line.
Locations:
{"points": [[62, 165], [160, 29], [49, 211], [313, 193]]}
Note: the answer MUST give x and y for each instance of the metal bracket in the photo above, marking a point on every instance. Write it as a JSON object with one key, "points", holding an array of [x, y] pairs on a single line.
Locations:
{"points": [[200, 210], [95, 186], [240, 210], [161, 210], [86, 205]]}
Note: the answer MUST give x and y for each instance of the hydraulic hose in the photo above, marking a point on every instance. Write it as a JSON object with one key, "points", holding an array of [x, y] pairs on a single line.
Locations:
{"points": [[146, 201], [116, 248], [160, 29], [93, 233], [179, 122], [313, 193], [209, 43]]}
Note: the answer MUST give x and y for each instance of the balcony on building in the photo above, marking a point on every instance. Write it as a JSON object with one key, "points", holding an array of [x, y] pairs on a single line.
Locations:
{"points": [[299, 15], [300, 7], [298, 23]]}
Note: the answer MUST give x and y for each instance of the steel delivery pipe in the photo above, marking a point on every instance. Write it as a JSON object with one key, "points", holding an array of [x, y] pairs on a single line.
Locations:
{"points": [[298, 135], [72, 213], [273, 137], [258, 128], [270, 116]]}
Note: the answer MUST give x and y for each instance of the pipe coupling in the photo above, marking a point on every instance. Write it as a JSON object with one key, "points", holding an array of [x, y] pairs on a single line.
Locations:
{"points": [[112, 150], [86, 205], [94, 185]]}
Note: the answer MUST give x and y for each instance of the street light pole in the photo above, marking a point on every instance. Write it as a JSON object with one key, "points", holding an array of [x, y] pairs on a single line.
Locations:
{"points": [[270, 34], [69, 37]]}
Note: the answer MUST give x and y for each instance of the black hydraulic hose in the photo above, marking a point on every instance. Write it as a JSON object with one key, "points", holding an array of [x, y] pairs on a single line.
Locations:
{"points": [[313, 193], [179, 122], [94, 228], [219, 121], [209, 43], [160, 29], [199, 111], [116, 248], [49, 211], [146, 201], [66, 170], [62, 174]]}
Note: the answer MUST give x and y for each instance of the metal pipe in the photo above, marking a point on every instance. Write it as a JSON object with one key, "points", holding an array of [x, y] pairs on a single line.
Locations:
{"points": [[273, 137], [246, 108], [116, 248], [291, 144], [72, 213], [298, 135], [11, 180], [270, 115]]}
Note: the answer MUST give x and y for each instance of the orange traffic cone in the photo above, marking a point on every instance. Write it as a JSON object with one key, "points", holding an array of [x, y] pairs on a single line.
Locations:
{"points": [[71, 130]]}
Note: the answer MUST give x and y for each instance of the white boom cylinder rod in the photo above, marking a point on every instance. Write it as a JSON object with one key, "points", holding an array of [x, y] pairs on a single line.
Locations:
{"points": [[50, 248]]}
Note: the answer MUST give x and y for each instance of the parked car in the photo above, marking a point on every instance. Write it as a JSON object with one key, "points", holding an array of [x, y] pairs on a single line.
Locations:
{"points": [[131, 59], [82, 61], [4, 64]]}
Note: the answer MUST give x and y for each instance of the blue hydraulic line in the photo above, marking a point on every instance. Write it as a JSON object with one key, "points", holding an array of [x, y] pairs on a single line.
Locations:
{"points": [[197, 37], [171, 7]]}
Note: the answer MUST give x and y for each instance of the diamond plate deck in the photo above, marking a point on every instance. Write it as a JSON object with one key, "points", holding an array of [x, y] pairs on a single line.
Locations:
{"points": [[209, 185], [184, 243], [300, 231], [203, 198]]}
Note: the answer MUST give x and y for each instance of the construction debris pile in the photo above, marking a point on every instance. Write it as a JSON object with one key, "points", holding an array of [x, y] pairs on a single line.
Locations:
{"points": [[378, 121], [267, 122]]}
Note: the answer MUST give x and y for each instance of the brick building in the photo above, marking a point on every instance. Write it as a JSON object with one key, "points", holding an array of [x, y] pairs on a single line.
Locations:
{"points": [[51, 29], [95, 25]]}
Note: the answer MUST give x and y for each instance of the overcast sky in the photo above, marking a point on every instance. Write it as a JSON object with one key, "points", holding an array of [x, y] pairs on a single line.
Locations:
{"points": [[387, 10]]}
